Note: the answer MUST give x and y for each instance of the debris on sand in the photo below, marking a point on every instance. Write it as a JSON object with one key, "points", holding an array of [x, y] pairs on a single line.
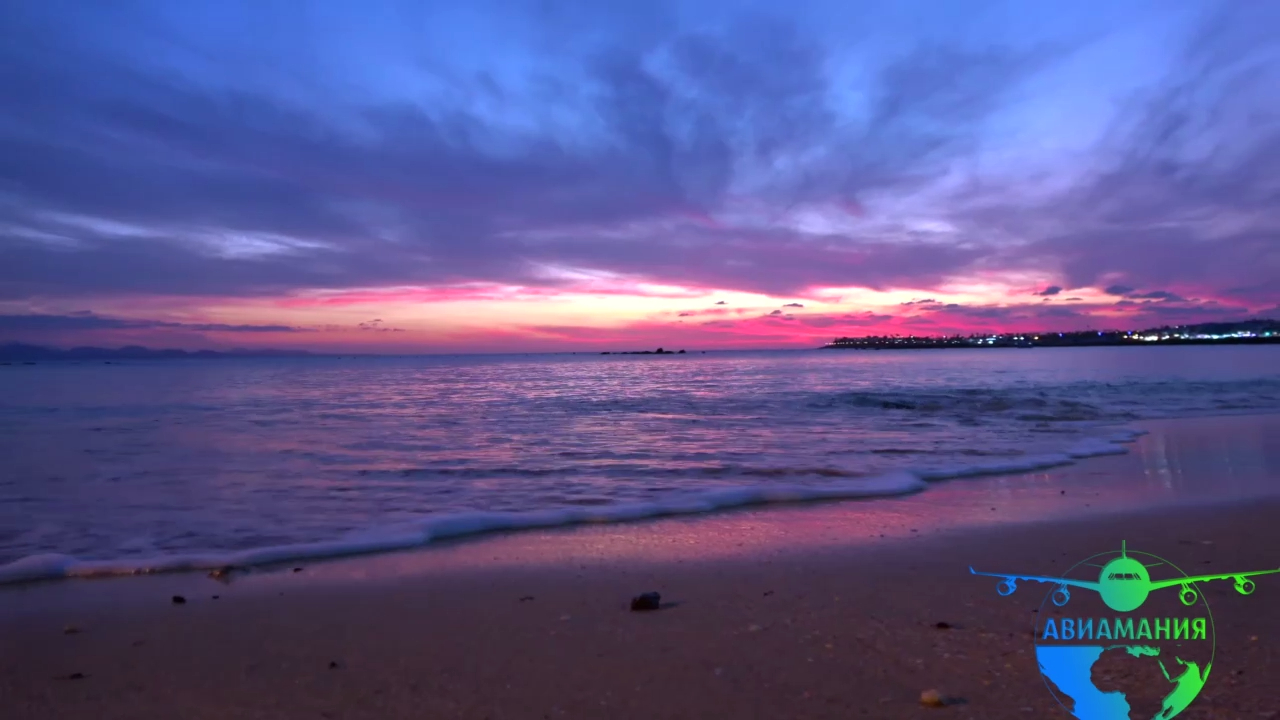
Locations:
{"points": [[935, 699], [646, 601], [932, 698]]}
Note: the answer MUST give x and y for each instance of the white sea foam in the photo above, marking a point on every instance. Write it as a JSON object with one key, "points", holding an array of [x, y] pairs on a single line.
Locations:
{"points": [[170, 466], [400, 537], [404, 536]]}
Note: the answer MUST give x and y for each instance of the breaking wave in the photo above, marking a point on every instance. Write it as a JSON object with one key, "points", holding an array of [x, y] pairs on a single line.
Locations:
{"points": [[151, 467], [49, 566]]}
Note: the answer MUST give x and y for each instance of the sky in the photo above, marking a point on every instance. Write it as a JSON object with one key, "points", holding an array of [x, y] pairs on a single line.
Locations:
{"points": [[564, 175]]}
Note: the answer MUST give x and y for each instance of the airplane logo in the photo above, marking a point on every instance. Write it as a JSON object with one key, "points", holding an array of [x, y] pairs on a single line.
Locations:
{"points": [[1124, 583]]}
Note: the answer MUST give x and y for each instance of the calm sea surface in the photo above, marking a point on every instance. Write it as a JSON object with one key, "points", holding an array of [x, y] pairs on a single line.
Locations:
{"points": [[210, 458]]}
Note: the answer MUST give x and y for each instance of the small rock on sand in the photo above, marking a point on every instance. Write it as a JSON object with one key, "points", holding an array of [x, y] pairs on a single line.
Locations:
{"points": [[646, 601], [70, 630], [179, 600], [932, 698]]}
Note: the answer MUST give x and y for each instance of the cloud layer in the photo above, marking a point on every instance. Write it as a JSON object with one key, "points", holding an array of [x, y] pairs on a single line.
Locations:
{"points": [[251, 155]]}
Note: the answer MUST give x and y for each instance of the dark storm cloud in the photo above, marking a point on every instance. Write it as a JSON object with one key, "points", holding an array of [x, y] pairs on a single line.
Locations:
{"points": [[1049, 291], [1118, 290]]}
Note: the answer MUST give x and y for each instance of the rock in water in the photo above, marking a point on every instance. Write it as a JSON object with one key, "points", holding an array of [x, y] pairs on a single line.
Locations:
{"points": [[646, 601]]}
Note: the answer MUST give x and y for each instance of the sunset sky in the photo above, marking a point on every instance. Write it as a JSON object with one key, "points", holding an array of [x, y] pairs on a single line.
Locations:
{"points": [[616, 175]]}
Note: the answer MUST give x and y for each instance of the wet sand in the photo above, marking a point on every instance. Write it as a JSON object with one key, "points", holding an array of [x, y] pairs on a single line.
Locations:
{"points": [[809, 611]]}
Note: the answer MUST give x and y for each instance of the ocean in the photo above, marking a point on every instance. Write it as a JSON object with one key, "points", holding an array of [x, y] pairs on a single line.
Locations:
{"points": [[157, 465]]}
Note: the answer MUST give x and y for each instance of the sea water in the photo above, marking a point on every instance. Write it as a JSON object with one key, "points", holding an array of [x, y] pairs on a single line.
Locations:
{"points": [[151, 465]]}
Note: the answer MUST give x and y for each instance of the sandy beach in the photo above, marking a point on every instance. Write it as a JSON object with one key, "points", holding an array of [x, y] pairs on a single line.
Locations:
{"points": [[828, 610]]}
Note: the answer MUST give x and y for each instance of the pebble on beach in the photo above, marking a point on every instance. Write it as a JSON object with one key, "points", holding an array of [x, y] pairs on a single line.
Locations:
{"points": [[932, 698], [179, 600], [646, 601]]}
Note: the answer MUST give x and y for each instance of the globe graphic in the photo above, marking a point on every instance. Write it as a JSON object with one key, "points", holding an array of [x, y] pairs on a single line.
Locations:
{"points": [[1070, 670], [1128, 679]]}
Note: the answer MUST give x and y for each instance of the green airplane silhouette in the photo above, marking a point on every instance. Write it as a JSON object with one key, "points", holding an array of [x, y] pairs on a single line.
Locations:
{"points": [[1124, 583]]}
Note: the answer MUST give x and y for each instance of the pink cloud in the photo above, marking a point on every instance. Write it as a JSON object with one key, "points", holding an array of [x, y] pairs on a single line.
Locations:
{"points": [[483, 293]]}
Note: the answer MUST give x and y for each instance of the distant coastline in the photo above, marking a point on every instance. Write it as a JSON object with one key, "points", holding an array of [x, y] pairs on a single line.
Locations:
{"points": [[1247, 332], [20, 352]]}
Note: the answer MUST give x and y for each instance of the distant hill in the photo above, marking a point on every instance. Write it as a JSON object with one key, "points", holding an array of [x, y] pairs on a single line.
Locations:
{"points": [[30, 353]]}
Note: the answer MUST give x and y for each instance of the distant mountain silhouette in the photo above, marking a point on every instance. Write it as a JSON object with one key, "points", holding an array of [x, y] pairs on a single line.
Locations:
{"points": [[30, 353]]}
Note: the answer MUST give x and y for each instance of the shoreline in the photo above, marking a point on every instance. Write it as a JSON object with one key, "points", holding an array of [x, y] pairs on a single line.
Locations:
{"points": [[852, 631], [1081, 460], [810, 610]]}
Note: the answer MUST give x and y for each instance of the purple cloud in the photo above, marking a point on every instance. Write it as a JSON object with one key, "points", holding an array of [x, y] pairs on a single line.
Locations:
{"points": [[139, 157]]}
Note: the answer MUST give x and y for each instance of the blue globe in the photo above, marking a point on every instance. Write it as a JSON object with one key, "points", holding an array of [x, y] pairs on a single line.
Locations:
{"points": [[1069, 668]]}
